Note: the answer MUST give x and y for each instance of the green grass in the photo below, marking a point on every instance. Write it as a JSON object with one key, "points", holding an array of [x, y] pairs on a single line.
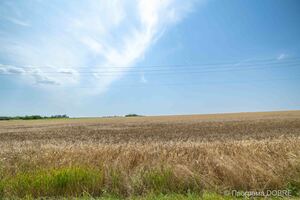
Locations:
{"points": [[204, 196], [294, 187], [87, 183], [172, 196], [77, 182], [165, 181], [63, 182]]}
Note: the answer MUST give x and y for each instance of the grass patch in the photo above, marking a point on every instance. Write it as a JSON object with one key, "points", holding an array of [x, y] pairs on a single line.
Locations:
{"points": [[86, 183], [294, 187], [71, 182], [166, 181], [79, 182], [115, 183], [1, 189], [191, 196]]}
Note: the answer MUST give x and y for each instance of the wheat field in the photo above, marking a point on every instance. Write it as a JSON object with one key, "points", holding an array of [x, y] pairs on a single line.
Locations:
{"points": [[136, 156]]}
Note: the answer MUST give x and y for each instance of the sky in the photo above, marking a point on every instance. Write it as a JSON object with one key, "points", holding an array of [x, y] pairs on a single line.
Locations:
{"points": [[88, 58]]}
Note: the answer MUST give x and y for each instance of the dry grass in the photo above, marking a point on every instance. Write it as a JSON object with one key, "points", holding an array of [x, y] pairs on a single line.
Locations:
{"points": [[170, 154]]}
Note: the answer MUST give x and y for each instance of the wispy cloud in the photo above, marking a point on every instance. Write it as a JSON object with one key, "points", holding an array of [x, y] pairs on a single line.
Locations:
{"points": [[18, 21], [38, 76], [90, 35], [282, 56], [7, 69]]}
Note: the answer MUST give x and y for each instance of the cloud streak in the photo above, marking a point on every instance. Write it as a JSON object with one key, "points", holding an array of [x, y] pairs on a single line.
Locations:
{"points": [[282, 56], [18, 22], [90, 35], [31, 73]]}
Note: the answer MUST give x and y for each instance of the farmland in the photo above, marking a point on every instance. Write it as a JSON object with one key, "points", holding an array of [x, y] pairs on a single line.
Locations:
{"points": [[138, 156]]}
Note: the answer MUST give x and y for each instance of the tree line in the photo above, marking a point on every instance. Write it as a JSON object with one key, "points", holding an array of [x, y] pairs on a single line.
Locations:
{"points": [[32, 117]]}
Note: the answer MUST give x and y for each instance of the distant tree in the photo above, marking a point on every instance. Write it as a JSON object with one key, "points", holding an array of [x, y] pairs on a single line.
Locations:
{"points": [[5, 118], [132, 115], [59, 116], [32, 117]]}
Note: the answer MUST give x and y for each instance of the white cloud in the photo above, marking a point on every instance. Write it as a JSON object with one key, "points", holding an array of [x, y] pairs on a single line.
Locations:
{"points": [[282, 56], [94, 35], [36, 75]]}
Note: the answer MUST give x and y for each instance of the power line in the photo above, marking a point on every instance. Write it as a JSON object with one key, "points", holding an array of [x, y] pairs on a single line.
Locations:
{"points": [[206, 82], [169, 71], [221, 63], [176, 69], [185, 84]]}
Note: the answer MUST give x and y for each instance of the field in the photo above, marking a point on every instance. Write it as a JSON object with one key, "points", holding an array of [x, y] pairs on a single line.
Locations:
{"points": [[191, 156]]}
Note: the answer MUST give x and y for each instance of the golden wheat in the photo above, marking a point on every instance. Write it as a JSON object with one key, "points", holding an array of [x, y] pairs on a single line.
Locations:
{"points": [[250, 151]]}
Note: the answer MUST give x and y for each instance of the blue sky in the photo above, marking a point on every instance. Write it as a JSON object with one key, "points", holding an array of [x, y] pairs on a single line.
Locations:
{"points": [[110, 57]]}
